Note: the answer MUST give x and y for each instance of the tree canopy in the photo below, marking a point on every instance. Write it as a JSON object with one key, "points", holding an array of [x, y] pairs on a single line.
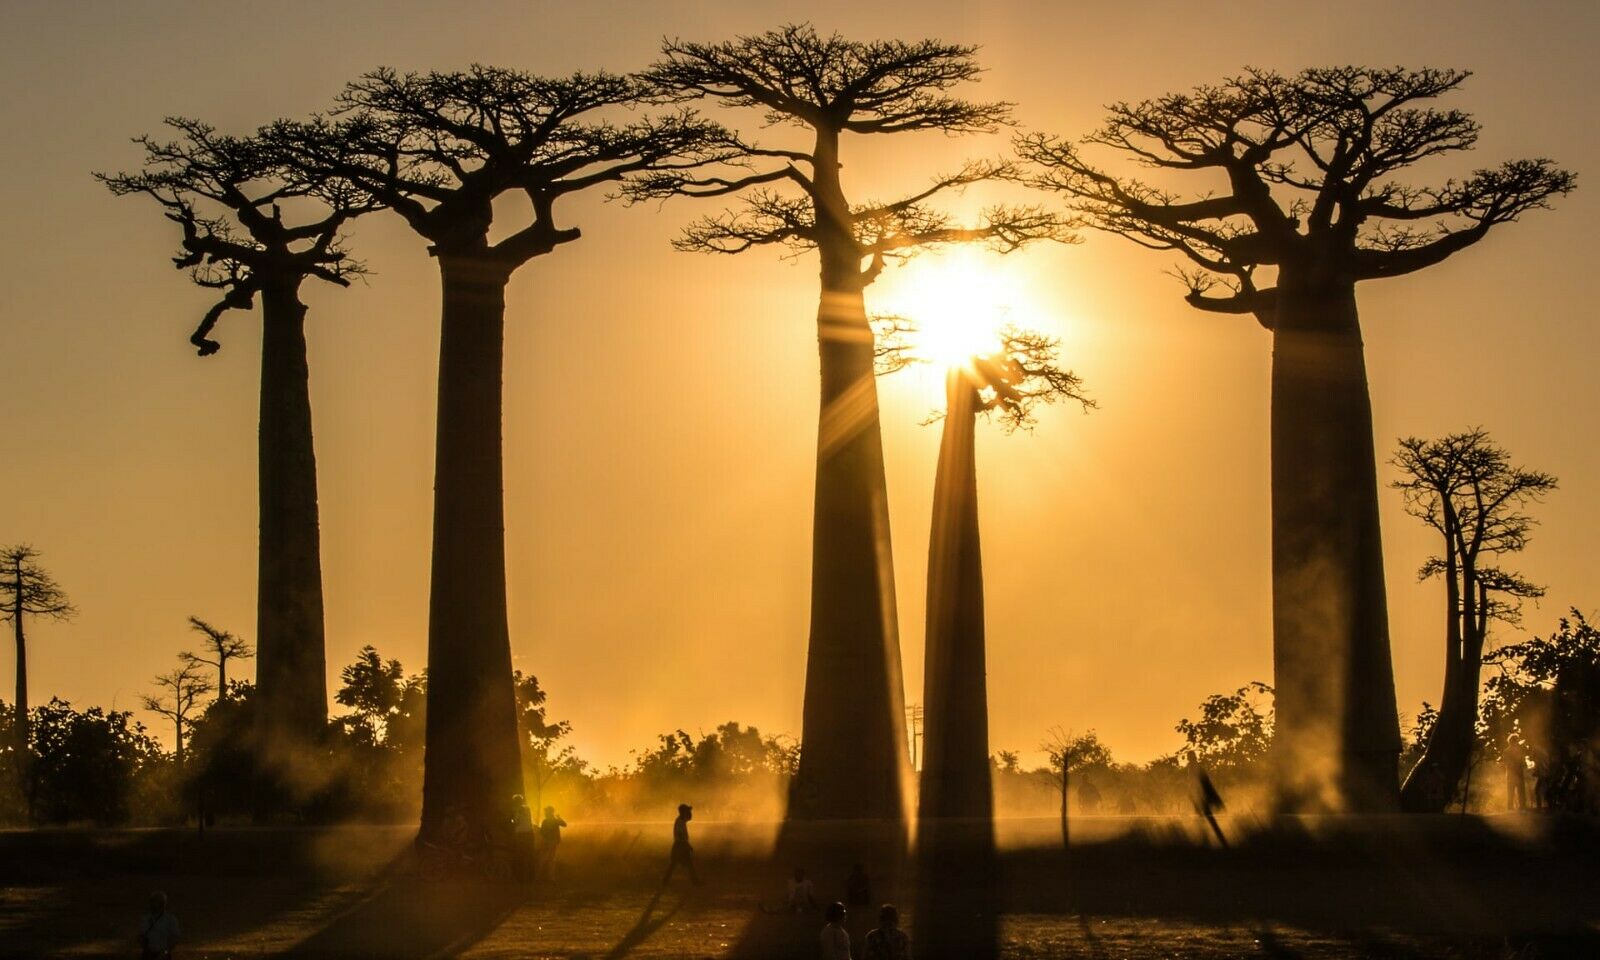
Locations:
{"points": [[830, 85], [438, 148], [1313, 167], [228, 194]]}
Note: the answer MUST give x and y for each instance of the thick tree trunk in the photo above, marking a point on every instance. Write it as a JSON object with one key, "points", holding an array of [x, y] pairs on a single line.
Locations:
{"points": [[1431, 784], [20, 745], [853, 756], [472, 764], [955, 770], [1337, 738], [291, 666], [956, 916]]}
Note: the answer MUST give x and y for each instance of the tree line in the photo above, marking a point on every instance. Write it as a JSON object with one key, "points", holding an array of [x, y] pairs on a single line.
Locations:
{"points": [[1314, 204]]}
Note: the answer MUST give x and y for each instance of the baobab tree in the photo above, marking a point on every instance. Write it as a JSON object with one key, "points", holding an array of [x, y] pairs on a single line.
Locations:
{"points": [[227, 195], [181, 691], [1465, 487], [26, 590], [1312, 205], [439, 149], [828, 86], [221, 646], [1009, 384]]}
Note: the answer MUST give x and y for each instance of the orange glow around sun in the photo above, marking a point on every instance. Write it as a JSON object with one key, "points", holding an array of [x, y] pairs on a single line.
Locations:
{"points": [[958, 302]]}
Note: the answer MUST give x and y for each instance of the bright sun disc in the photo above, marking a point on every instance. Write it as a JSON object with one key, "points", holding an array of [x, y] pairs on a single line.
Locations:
{"points": [[958, 304]]}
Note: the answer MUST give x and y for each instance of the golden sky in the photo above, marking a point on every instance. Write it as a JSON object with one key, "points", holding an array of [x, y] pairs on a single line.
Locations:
{"points": [[661, 407]]}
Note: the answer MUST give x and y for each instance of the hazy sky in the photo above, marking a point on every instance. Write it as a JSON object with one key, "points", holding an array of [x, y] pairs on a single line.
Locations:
{"points": [[661, 407]]}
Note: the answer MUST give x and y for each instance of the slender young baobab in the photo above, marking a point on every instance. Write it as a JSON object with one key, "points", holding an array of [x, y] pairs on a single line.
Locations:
{"points": [[26, 590], [1308, 166], [1011, 383], [181, 689], [221, 646], [853, 730], [1465, 488], [439, 149], [227, 194]]}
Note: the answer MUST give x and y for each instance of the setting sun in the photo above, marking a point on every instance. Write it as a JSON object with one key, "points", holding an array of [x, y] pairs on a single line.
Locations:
{"points": [[957, 304]]}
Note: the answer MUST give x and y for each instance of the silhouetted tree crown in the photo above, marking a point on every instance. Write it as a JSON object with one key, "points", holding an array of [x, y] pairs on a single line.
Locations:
{"points": [[228, 195], [26, 588], [1025, 373], [439, 148], [1311, 165], [220, 647], [830, 85], [1465, 487]]}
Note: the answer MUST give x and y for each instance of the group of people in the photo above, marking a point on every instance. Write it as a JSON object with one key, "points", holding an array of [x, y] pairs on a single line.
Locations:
{"points": [[886, 942], [535, 849], [1522, 758]]}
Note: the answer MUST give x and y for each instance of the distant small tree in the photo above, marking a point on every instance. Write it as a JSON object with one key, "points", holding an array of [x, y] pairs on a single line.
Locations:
{"points": [[541, 756], [26, 590], [1067, 753], [373, 689], [88, 763], [179, 699], [221, 646], [1298, 195], [1466, 488], [1008, 761], [1234, 730]]}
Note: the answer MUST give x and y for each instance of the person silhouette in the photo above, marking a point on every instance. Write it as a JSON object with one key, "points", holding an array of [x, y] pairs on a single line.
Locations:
{"points": [[549, 840], [887, 941], [857, 888], [1515, 757], [682, 851], [1207, 801], [524, 854], [158, 930], [802, 892], [835, 938]]}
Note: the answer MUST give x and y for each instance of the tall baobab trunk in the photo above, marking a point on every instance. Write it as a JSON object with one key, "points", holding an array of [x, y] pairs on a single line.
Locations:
{"points": [[853, 756], [1426, 789], [955, 771], [291, 672], [955, 826], [472, 763], [20, 745], [1432, 783], [1338, 736]]}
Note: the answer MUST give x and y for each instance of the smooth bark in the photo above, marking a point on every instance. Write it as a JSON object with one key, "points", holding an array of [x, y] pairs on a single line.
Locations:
{"points": [[1431, 785], [291, 672], [956, 781], [1337, 730], [854, 762], [472, 766], [22, 754]]}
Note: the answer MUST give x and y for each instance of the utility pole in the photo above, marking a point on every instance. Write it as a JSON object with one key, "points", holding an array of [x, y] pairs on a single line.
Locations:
{"points": [[914, 726]]}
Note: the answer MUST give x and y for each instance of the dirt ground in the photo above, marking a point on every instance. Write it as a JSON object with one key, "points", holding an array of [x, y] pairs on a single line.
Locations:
{"points": [[1521, 887]]}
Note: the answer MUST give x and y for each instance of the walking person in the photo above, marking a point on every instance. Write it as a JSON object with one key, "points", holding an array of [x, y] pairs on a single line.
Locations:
{"points": [[158, 930], [1207, 801], [549, 840], [682, 851]]}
